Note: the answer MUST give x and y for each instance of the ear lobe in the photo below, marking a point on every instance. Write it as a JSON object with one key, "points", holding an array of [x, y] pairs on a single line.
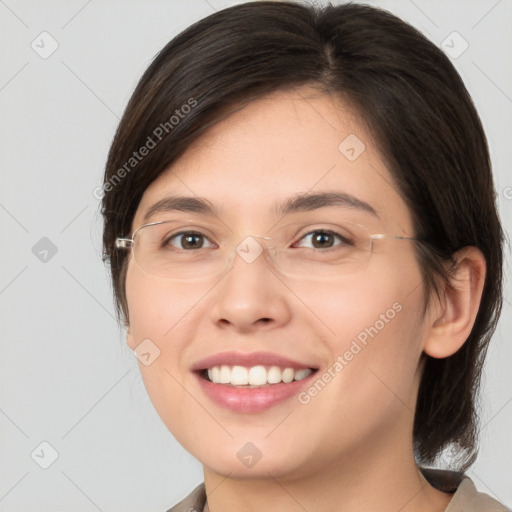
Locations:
{"points": [[454, 318], [130, 341]]}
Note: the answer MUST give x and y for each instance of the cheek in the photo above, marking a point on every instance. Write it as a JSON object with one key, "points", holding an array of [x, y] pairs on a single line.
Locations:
{"points": [[161, 323], [159, 310], [375, 344], [163, 313], [383, 318]]}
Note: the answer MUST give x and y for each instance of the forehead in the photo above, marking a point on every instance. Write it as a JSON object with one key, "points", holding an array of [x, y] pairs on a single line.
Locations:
{"points": [[288, 143]]}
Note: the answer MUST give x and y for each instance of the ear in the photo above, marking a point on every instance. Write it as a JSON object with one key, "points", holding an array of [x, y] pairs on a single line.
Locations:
{"points": [[453, 318], [130, 341]]}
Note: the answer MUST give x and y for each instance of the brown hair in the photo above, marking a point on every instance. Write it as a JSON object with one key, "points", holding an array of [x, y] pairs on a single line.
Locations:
{"points": [[413, 102]]}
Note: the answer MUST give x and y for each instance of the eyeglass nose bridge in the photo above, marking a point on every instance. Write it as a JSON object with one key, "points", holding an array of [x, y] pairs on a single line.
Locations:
{"points": [[249, 249]]}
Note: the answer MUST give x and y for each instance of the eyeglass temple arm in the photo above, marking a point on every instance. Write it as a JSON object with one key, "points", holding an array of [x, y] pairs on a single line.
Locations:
{"points": [[396, 237], [123, 243], [126, 243]]}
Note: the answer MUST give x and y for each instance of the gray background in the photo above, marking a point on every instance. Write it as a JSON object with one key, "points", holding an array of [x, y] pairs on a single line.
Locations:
{"points": [[67, 377]]}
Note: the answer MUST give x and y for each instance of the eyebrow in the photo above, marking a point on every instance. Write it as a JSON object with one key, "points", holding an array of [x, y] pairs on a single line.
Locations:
{"points": [[309, 202], [299, 203]]}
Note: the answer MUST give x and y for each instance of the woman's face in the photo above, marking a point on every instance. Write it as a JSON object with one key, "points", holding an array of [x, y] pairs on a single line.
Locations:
{"points": [[360, 329]]}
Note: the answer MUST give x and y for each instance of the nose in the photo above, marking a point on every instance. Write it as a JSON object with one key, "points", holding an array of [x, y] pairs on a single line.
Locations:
{"points": [[251, 295]]}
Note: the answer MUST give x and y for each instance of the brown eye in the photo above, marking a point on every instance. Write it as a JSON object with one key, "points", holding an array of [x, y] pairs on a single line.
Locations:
{"points": [[188, 240], [321, 239]]}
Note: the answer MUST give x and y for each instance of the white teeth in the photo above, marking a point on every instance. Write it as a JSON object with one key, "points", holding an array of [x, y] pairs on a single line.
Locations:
{"points": [[274, 375], [255, 376], [302, 374], [225, 375], [239, 376], [288, 375]]}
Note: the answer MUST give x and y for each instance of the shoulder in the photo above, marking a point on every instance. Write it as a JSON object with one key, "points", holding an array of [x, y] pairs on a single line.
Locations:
{"points": [[466, 497], [194, 502]]}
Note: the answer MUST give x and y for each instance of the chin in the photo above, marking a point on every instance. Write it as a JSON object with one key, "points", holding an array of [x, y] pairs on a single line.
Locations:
{"points": [[244, 460]]}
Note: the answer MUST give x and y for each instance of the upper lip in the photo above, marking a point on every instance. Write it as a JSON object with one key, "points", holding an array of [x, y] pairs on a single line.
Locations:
{"points": [[248, 360]]}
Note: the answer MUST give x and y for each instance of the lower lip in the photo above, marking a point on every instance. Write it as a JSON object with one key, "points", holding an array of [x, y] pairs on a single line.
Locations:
{"points": [[251, 400]]}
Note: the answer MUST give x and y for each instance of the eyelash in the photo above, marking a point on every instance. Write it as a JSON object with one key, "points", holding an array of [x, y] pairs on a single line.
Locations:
{"points": [[343, 240]]}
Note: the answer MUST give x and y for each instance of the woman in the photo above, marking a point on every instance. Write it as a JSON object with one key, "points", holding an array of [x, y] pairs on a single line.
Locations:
{"points": [[300, 221]]}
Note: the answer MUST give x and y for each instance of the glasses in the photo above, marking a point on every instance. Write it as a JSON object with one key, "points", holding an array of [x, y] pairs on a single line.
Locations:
{"points": [[185, 250]]}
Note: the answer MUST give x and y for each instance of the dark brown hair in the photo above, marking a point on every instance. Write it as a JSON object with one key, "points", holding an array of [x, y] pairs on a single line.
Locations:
{"points": [[412, 101]]}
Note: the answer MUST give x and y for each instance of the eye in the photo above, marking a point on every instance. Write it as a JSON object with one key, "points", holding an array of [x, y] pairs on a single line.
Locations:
{"points": [[322, 239], [188, 240]]}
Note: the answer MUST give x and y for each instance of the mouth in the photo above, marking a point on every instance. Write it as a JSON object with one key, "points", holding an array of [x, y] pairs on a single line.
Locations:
{"points": [[251, 383], [255, 376]]}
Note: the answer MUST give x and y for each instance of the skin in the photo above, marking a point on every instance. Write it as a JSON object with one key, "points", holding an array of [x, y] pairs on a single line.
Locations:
{"points": [[350, 447]]}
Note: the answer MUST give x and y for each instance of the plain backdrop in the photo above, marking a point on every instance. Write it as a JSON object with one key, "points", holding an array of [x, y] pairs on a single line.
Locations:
{"points": [[67, 378]]}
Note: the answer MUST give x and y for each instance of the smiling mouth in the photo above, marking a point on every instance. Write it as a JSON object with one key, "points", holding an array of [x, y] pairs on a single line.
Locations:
{"points": [[255, 376]]}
